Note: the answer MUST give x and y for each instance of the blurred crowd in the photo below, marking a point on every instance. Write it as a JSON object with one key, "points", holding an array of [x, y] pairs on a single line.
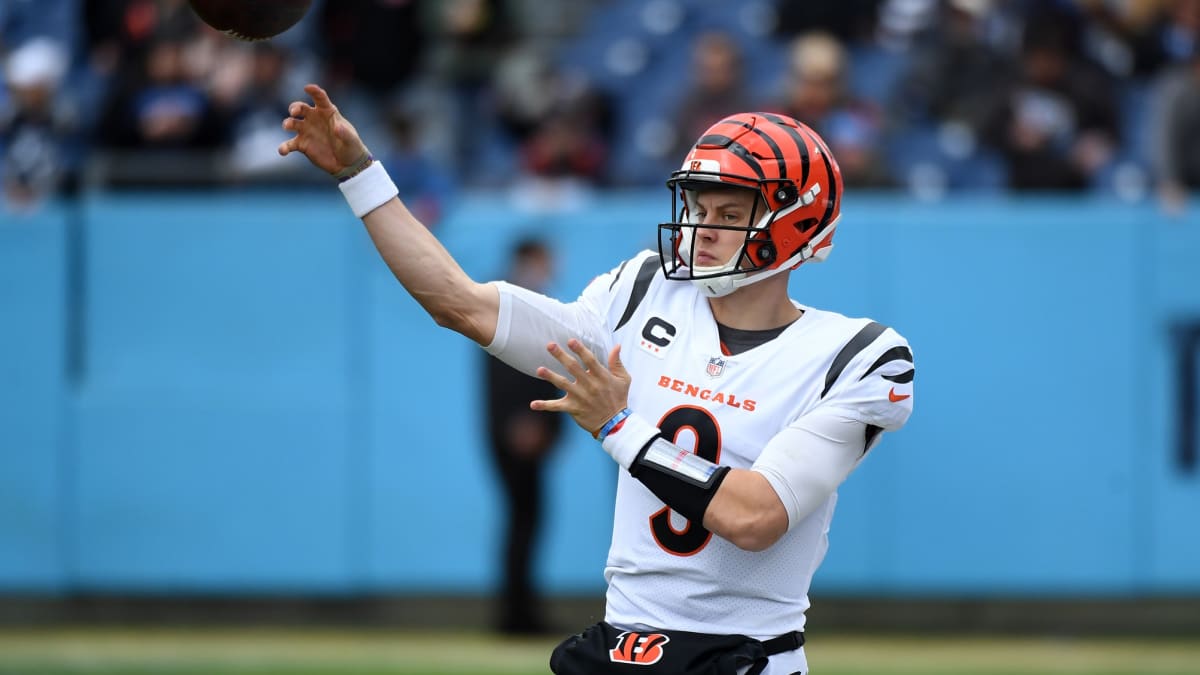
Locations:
{"points": [[930, 96]]}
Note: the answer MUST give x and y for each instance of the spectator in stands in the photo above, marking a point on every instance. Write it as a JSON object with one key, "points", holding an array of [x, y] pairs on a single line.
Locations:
{"points": [[1057, 125], [715, 89], [568, 142], [542, 24], [815, 92], [521, 441], [526, 87], [956, 73], [1145, 35], [118, 34], [373, 51], [376, 45], [903, 23], [22, 21], [161, 105], [1176, 131], [560, 124], [848, 20], [251, 102], [468, 39], [39, 125]]}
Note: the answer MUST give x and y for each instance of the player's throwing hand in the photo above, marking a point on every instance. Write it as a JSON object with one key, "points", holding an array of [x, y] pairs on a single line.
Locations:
{"points": [[328, 140]]}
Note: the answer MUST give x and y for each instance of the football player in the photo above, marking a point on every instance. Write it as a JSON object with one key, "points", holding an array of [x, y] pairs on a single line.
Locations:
{"points": [[734, 411]]}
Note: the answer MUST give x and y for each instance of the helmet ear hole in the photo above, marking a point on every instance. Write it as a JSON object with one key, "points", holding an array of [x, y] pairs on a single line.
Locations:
{"points": [[785, 195], [765, 253]]}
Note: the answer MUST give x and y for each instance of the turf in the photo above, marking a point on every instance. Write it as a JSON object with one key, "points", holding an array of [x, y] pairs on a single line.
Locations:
{"points": [[372, 652]]}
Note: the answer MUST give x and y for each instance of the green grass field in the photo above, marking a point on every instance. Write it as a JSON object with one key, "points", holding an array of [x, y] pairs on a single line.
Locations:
{"points": [[375, 652]]}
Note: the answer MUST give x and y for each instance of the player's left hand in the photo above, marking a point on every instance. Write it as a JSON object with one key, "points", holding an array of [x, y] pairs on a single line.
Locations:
{"points": [[595, 393]]}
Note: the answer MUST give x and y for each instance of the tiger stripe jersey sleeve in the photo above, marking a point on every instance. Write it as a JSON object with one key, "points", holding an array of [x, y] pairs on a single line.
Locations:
{"points": [[528, 321], [871, 379], [867, 389]]}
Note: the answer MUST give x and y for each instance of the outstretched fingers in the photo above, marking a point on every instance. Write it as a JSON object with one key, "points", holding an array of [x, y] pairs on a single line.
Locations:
{"points": [[559, 382], [553, 378], [319, 96], [294, 122], [299, 109], [590, 389], [289, 146], [585, 355], [564, 357]]}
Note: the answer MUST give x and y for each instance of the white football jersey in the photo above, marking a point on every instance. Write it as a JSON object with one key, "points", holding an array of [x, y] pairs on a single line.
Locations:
{"points": [[662, 570]]}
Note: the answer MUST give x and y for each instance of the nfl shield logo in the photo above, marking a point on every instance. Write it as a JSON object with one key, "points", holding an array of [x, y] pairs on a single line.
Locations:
{"points": [[716, 366]]}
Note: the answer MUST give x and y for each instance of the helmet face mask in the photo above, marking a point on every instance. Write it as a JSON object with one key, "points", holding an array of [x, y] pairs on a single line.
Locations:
{"points": [[798, 187], [679, 238]]}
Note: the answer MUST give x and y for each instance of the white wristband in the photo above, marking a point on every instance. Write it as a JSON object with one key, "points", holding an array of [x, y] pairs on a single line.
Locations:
{"points": [[625, 443], [368, 190]]}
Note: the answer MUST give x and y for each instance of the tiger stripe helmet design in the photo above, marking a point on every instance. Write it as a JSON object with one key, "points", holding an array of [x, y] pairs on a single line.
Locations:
{"points": [[799, 187]]}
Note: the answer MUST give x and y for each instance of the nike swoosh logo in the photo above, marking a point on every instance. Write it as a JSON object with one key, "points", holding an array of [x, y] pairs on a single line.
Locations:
{"points": [[896, 398]]}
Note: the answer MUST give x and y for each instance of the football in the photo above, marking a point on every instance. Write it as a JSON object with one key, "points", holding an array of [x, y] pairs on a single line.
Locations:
{"points": [[251, 19]]}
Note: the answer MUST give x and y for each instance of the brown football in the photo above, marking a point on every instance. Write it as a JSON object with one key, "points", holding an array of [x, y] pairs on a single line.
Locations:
{"points": [[251, 19]]}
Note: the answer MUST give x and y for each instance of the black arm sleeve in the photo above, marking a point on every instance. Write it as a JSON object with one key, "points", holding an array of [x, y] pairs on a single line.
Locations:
{"points": [[681, 479]]}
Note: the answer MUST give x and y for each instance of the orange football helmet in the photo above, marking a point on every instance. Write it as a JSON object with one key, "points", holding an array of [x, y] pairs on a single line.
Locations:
{"points": [[799, 187]]}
